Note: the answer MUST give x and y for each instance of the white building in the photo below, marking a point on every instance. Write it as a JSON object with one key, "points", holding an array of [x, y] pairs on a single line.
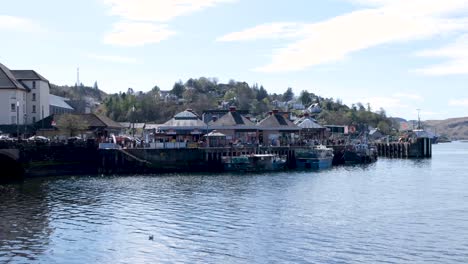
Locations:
{"points": [[24, 96]]}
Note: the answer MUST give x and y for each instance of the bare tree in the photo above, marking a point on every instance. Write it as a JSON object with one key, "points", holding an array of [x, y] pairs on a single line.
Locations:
{"points": [[71, 124]]}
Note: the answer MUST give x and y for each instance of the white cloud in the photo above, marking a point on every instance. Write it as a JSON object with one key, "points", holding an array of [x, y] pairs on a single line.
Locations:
{"points": [[456, 55], [381, 22], [265, 31], [137, 34], [459, 102], [112, 58], [383, 102], [137, 26], [158, 10], [410, 96], [14, 23]]}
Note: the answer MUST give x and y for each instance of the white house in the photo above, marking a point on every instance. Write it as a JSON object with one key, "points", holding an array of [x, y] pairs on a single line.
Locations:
{"points": [[12, 98], [24, 96]]}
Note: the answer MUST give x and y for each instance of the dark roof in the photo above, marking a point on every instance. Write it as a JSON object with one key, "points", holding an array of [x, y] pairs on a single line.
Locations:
{"points": [[28, 75], [232, 119], [277, 121], [8, 80], [93, 121]]}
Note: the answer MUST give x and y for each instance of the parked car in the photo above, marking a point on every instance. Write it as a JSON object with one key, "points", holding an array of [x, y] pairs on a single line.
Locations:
{"points": [[6, 138], [75, 139], [39, 139]]}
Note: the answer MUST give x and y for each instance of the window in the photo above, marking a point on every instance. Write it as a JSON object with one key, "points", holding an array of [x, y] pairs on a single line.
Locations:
{"points": [[13, 107], [34, 109], [13, 119], [34, 84], [13, 95], [34, 119], [34, 97]]}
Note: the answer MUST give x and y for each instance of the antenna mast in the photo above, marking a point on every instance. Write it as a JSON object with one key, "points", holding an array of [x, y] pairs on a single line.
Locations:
{"points": [[419, 118], [78, 76]]}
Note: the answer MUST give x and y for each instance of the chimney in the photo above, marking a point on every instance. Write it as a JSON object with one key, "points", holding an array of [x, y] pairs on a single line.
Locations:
{"points": [[232, 109], [214, 118]]}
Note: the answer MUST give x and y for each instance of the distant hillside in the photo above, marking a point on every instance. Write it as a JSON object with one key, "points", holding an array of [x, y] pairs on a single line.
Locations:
{"points": [[78, 92], [454, 128]]}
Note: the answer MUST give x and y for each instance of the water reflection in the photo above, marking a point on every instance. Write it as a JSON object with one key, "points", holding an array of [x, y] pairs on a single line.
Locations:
{"points": [[412, 211], [24, 222]]}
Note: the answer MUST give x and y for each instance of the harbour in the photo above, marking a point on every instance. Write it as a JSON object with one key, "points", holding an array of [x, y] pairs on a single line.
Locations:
{"points": [[393, 210]]}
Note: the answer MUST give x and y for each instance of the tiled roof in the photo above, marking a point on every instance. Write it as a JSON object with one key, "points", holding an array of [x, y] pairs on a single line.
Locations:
{"points": [[28, 75], [232, 119], [185, 119], [92, 120], [277, 122], [8, 80]]}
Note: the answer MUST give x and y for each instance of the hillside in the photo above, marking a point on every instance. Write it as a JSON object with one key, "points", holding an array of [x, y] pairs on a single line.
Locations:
{"points": [[454, 128], [78, 92]]}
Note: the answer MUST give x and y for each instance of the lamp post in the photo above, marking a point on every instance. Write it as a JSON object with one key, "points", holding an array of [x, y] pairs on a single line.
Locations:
{"points": [[133, 121], [17, 120], [24, 123]]}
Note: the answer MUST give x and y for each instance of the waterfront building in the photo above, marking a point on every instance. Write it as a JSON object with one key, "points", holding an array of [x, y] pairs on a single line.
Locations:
{"points": [[24, 96], [185, 126], [12, 98], [96, 126], [59, 105], [277, 130], [310, 129], [237, 128]]}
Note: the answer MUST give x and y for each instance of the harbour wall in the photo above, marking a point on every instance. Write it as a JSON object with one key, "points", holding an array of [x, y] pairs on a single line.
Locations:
{"points": [[422, 148]]}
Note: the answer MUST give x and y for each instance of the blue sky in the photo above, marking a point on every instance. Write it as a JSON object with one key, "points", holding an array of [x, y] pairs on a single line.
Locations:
{"points": [[401, 55]]}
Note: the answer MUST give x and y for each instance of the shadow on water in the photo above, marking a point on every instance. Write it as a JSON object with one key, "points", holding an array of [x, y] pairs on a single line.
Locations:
{"points": [[24, 223]]}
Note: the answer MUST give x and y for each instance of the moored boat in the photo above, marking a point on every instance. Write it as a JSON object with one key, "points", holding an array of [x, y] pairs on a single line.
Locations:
{"points": [[254, 163], [359, 153], [317, 158]]}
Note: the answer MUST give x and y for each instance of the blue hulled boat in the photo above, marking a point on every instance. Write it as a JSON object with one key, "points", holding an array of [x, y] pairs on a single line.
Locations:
{"points": [[316, 158]]}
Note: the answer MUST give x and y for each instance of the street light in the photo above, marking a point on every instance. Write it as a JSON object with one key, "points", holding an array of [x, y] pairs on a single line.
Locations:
{"points": [[133, 121], [17, 120]]}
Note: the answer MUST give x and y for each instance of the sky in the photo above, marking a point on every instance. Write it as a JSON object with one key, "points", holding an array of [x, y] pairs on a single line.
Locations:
{"points": [[401, 55]]}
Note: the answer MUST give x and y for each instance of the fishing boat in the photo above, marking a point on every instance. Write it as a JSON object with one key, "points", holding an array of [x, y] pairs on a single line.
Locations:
{"points": [[254, 163], [359, 153], [316, 158]]}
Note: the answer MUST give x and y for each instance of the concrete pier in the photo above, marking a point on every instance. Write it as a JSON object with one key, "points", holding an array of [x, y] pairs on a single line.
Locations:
{"points": [[422, 148]]}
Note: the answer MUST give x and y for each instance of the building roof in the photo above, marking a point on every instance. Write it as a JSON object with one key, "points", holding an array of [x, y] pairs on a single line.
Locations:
{"points": [[277, 121], [28, 75], [185, 119], [8, 80], [232, 119], [58, 101], [308, 123], [92, 120]]}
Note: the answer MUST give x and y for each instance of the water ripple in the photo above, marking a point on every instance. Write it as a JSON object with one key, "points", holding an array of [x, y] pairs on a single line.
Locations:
{"points": [[394, 211]]}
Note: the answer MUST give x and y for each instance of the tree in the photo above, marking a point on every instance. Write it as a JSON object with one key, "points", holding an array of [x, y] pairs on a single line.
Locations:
{"points": [[262, 93], [305, 98], [288, 95], [178, 89], [71, 124], [95, 86]]}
